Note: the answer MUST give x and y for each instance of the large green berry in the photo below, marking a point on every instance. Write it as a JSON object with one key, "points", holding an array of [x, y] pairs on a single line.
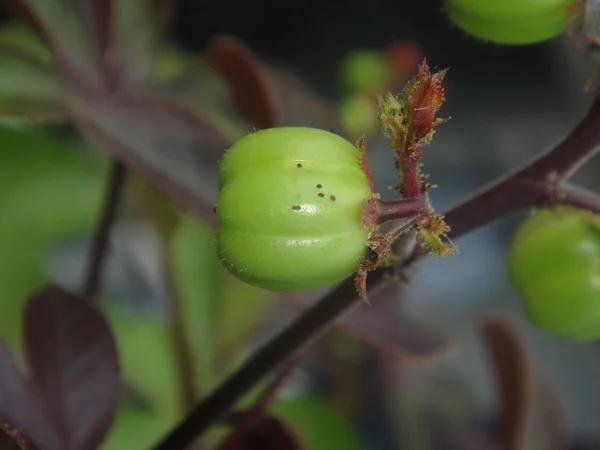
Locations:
{"points": [[290, 209], [511, 22], [554, 262]]}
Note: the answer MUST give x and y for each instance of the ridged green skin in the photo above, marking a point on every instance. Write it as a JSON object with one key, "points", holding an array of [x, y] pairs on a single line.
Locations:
{"points": [[274, 229], [554, 263], [510, 22]]}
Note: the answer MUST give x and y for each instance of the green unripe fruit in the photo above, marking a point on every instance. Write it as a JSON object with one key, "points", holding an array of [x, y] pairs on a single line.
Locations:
{"points": [[290, 209], [365, 70], [358, 114], [554, 263], [511, 22]]}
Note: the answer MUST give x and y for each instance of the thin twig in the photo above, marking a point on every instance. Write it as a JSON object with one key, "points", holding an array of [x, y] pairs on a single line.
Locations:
{"points": [[581, 198], [514, 192], [95, 269], [181, 345], [244, 421]]}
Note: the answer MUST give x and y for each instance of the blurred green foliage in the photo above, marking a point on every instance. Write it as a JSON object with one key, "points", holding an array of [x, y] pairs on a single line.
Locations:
{"points": [[49, 190]]}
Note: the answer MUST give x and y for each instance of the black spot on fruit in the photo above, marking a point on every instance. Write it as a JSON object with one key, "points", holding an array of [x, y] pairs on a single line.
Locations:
{"points": [[332, 197], [321, 194], [319, 186], [296, 208], [299, 165]]}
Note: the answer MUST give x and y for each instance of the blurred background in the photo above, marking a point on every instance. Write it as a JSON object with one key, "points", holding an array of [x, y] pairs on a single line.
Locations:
{"points": [[506, 105]]}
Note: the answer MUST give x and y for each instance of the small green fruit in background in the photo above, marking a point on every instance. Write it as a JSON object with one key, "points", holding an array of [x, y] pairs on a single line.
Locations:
{"points": [[290, 209], [511, 22], [358, 114], [554, 263], [365, 71]]}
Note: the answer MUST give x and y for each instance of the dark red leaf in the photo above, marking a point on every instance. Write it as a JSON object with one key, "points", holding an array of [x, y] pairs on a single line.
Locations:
{"points": [[169, 144], [74, 366], [266, 94], [133, 35], [548, 425], [101, 42], [19, 409], [264, 433], [97, 16], [247, 79], [513, 377], [70, 36], [297, 105], [29, 87], [393, 333]]}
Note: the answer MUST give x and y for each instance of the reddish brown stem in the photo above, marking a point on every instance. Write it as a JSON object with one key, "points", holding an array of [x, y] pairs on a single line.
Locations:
{"points": [[398, 209], [537, 183], [411, 179], [581, 198], [95, 268]]}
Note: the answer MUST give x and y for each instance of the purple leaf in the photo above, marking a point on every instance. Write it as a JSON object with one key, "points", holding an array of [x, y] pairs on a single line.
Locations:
{"points": [[202, 89], [19, 408], [65, 27], [128, 34], [512, 371], [74, 366], [169, 144], [262, 433], [29, 88], [548, 427], [297, 105], [136, 33], [247, 79], [393, 333]]}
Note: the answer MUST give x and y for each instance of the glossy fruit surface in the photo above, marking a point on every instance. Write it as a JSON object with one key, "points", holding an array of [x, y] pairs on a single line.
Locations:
{"points": [[290, 209], [510, 22], [554, 263]]}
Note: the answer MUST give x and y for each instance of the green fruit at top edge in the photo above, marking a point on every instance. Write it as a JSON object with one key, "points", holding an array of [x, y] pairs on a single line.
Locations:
{"points": [[511, 22], [554, 263], [290, 209]]}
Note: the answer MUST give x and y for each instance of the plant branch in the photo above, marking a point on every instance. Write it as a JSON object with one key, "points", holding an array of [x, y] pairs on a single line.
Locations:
{"points": [[581, 198], [244, 421], [397, 209], [95, 269], [178, 330], [538, 183]]}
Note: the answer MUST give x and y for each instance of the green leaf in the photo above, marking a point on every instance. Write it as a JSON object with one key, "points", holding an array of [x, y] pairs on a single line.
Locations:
{"points": [[48, 192], [147, 362], [160, 139], [197, 276], [29, 88], [319, 426], [242, 308], [171, 63], [134, 429], [18, 34], [220, 309]]}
